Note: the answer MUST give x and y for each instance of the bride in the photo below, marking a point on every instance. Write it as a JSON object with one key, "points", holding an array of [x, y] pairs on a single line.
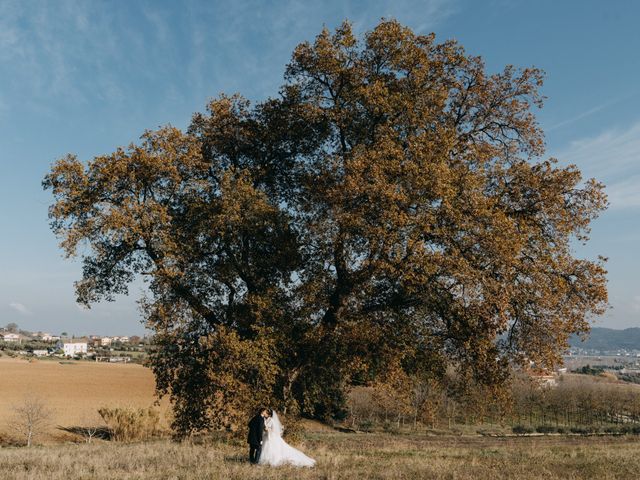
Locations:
{"points": [[275, 451]]}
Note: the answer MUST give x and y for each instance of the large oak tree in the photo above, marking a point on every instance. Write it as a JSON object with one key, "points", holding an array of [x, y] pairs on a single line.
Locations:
{"points": [[389, 209]]}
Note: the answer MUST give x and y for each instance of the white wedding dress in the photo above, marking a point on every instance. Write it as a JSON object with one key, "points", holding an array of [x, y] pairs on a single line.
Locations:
{"points": [[275, 451]]}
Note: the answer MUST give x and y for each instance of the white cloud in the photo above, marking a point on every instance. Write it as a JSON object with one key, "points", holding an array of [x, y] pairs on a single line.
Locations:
{"points": [[73, 52], [612, 157], [625, 193], [20, 308], [580, 116], [63, 51]]}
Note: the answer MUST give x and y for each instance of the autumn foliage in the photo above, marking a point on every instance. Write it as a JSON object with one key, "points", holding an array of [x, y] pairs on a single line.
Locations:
{"points": [[388, 214]]}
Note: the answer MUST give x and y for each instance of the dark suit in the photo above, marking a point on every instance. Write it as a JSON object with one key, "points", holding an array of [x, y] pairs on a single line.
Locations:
{"points": [[256, 429]]}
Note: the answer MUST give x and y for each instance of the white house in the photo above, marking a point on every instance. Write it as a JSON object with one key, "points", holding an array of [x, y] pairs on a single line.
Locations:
{"points": [[11, 337], [47, 337], [74, 348]]}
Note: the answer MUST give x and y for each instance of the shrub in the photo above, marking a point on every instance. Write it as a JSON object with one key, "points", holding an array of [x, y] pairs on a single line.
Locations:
{"points": [[584, 430], [366, 426], [130, 424], [390, 427], [521, 430], [546, 429], [627, 429]]}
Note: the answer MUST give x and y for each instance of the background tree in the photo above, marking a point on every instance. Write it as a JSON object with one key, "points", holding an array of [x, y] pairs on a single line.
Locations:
{"points": [[389, 209], [30, 418], [11, 327]]}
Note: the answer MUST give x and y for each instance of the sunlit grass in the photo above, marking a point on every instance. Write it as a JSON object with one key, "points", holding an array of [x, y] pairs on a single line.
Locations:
{"points": [[361, 456]]}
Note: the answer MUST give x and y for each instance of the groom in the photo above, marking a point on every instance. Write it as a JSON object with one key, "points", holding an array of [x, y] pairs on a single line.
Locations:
{"points": [[256, 429]]}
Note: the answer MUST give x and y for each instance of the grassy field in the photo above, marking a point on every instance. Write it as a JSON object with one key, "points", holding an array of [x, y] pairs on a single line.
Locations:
{"points": [[339, 456], [73, 391]]}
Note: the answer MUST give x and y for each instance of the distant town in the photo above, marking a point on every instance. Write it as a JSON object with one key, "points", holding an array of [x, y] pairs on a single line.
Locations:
{"points": [[15, 342]]}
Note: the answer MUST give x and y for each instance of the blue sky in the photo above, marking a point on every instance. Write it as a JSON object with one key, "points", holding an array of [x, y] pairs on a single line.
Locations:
{"points": [[88, 76]]}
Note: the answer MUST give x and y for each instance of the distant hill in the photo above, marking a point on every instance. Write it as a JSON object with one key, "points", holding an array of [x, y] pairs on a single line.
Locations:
{"points": [[609, 339]]}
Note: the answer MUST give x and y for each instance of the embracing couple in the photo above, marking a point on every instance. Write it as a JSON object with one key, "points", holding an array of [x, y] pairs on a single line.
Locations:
{"points": [[266, 446]]}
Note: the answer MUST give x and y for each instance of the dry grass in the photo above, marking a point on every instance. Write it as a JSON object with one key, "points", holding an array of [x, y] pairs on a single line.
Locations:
{"points": [[75, 392], [357, 456], [72, 391]]}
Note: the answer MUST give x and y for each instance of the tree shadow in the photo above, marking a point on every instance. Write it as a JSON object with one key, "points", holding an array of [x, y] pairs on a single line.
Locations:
{"points": [[103, 433], [345, 429]]}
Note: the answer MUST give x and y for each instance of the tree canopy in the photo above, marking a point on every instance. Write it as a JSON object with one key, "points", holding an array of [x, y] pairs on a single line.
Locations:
{"points": [[389, 210]]}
